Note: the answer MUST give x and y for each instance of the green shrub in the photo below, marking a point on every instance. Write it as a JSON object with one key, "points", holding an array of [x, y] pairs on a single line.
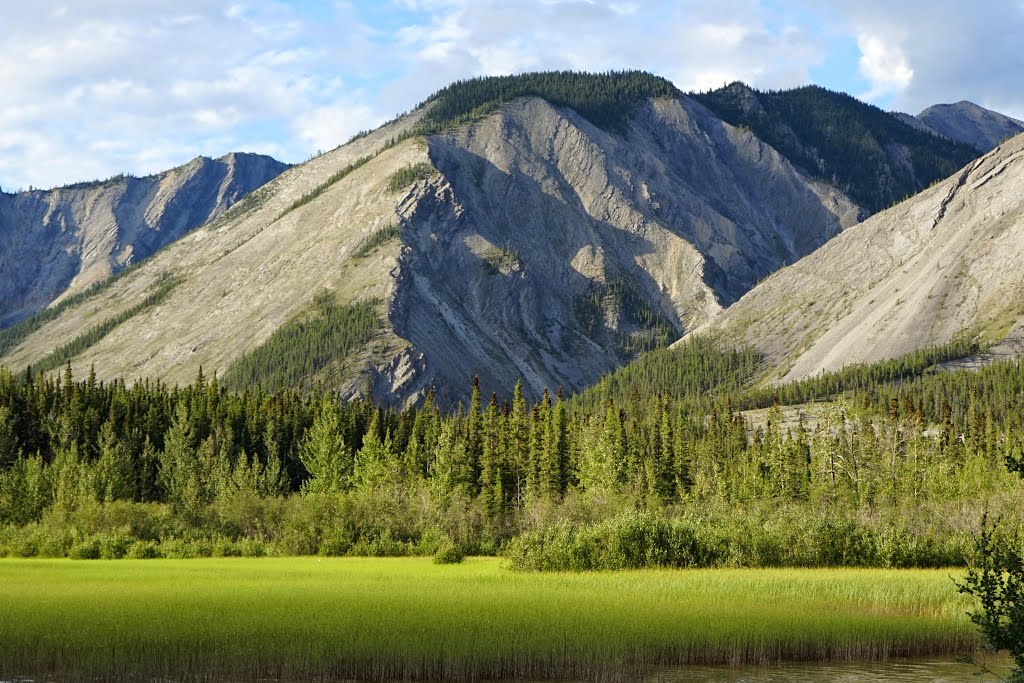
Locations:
{"points": [[638, 540], [88, 549], [253, 547], [449, 553], [115, 546], [143, 550], [407, 175]]}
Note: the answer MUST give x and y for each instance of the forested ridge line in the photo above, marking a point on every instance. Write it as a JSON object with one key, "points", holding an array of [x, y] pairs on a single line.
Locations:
{"points": [[868, 153]]}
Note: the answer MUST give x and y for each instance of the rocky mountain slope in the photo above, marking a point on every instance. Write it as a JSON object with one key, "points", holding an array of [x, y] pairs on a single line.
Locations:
{"points": [[966, 122], [54, 243], [941, 265], [524, 242]]}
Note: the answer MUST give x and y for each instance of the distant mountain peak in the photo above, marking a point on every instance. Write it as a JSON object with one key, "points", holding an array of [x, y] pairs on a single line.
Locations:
{"points": [[56, 242], [972, 124]]}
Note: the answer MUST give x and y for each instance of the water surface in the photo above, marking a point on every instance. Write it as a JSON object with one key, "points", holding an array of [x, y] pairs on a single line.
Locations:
{"points": [[898, 671]]}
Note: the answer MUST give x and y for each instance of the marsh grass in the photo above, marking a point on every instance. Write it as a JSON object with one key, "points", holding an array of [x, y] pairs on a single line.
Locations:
{"points": [[377, 619]]}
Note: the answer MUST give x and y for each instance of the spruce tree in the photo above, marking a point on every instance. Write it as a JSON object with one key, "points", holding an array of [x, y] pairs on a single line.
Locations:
{"points": [[324, 453]]}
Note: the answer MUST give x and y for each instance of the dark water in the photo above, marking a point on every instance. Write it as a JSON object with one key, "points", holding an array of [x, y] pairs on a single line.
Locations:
{"points": [[900, 671], [895, 671]]}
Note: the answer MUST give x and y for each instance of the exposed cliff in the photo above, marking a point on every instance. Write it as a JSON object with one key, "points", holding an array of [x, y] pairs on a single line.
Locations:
{"points": [[54, 243]]}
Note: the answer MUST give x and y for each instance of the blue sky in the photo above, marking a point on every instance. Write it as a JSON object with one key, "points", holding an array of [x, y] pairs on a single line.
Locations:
{"points": [[92, 88]]}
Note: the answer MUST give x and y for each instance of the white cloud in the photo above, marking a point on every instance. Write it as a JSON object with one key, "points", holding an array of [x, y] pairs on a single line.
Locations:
{"points": [[957, 50], [327, 127], [97, 87], [884, 65], [167, 79]]}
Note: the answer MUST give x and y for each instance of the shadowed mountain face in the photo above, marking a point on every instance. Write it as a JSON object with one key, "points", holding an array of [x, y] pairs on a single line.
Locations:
{"points": [[876, 157], [558, 250], [966, 122], [55, 243], [524, 243], [941, 265]]}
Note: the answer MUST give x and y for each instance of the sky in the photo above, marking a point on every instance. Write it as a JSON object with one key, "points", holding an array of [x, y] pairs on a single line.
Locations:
{"points": [[93, 88]]}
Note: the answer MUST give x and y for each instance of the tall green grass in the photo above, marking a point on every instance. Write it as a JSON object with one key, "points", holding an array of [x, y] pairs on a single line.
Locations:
{"points": [[373, 619]]}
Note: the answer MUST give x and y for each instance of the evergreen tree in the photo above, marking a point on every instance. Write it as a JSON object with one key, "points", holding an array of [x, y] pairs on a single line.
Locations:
{"points": [[324, 453], [114, 472]]}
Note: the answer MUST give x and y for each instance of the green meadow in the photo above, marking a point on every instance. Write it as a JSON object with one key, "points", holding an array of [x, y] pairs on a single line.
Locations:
{"points": [[377, 619]]}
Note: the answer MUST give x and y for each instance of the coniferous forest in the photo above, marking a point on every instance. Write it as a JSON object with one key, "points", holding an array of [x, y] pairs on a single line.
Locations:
{"points": [[889, 465], [841, 140]]}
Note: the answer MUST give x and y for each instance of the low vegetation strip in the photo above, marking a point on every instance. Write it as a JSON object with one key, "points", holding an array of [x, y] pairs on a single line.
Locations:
{"points": [[604, 99], [373, 619], [67, 351], [639, 540], [15, 334], [375, 240]]}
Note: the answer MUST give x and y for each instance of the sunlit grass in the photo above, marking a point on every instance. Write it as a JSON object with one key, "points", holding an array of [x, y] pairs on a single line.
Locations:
{"points": [[408, 618]]}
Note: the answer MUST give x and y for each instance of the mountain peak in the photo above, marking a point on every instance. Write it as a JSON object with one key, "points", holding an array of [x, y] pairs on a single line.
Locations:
{"points": [[54, 243], [972, 124]]}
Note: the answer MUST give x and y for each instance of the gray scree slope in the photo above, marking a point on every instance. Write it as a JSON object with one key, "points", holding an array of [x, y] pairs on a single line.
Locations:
{"points": [[944, 263]]}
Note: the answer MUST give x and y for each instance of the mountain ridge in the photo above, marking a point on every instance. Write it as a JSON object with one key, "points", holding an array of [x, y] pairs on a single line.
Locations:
{"points": [[508, 237], [55, 243], [970, 123]]}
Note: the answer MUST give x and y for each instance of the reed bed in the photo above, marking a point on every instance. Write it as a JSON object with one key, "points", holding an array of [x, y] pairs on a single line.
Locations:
{"points": [[385, 619]]}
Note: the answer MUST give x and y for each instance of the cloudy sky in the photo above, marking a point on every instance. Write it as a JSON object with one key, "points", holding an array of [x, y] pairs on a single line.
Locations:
{"points": [[91, 88]]}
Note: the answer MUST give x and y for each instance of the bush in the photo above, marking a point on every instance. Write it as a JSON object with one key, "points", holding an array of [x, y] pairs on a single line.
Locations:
{"points": [[449, 553], [253, 547], [88, 549], [115, 546], [638, 540], [143, 550]]}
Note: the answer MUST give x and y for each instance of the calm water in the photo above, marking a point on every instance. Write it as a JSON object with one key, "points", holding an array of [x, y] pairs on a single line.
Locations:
{"points": [[908, 671], [897, 671]]}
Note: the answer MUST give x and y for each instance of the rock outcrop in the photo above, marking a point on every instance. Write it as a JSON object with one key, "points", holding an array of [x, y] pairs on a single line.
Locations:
{"points": [[54, 243]]}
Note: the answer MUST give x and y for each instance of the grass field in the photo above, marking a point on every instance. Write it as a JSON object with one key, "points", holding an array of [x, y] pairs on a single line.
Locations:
{"points": [[316, 619]]}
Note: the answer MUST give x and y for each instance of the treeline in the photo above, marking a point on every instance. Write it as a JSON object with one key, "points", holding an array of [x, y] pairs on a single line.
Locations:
{"points": [[11, 336], [91, 469], [842, 141], [64, 353], [605, 99]]}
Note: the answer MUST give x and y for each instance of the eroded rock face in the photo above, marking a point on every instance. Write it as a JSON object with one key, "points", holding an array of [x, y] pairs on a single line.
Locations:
{"points": [[540, 247], [939, 265], [965, 121], [55, 243], [549, 246]]}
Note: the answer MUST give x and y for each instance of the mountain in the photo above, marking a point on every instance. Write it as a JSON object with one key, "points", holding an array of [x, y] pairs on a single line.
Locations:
{"points": [[942, 266], [966, 122], [55, 243], [546, 227], [872, 155]]}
